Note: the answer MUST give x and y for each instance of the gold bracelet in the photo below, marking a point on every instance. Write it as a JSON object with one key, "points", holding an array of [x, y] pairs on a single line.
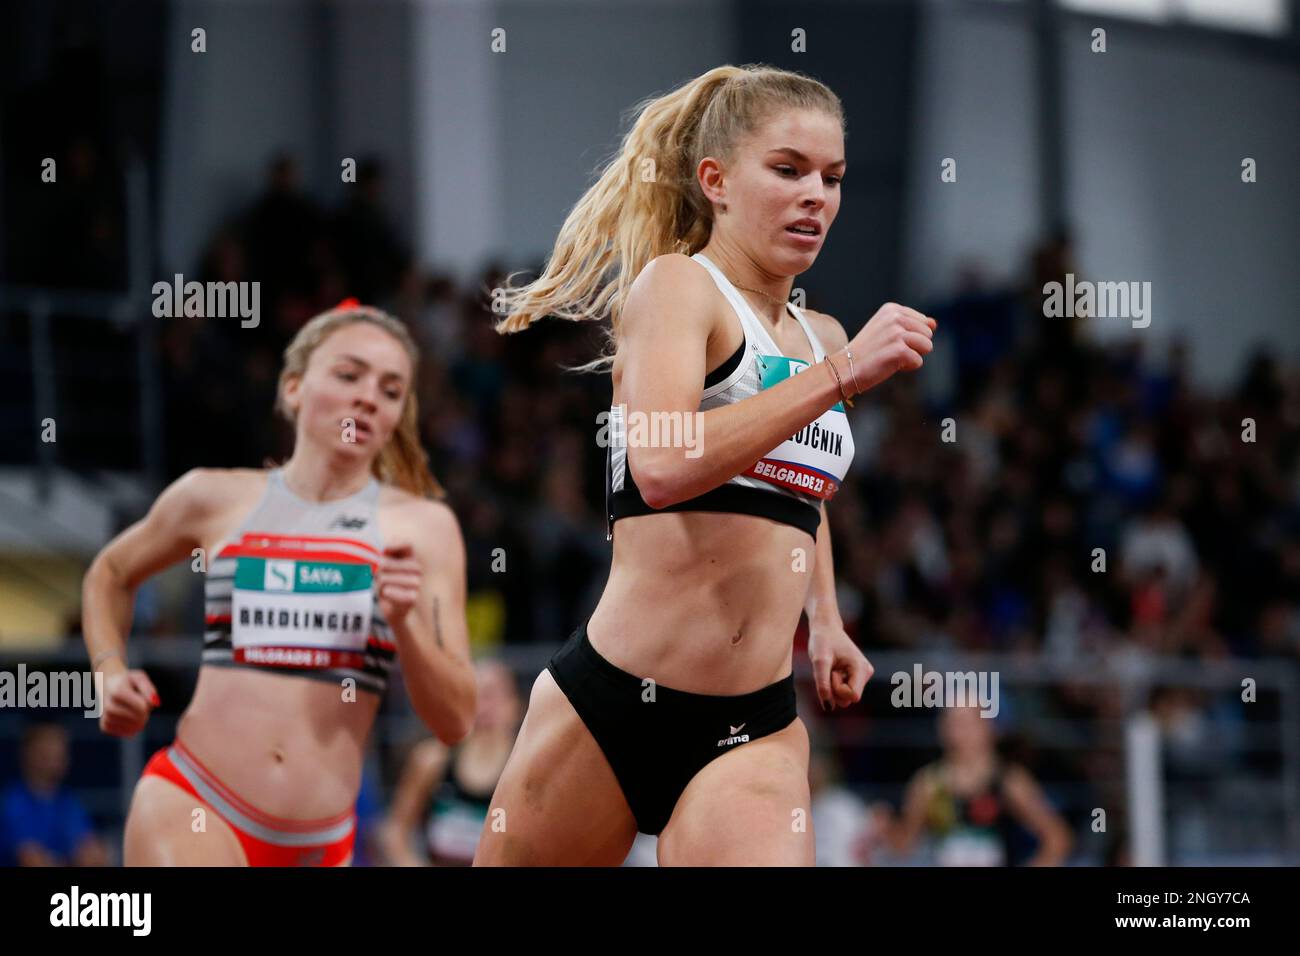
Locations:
{"points": [[100, 658], [847, 401], [857, 389]]}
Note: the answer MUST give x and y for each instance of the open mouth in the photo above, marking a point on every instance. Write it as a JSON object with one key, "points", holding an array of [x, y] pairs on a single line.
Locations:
{"points": [[809, 228]]}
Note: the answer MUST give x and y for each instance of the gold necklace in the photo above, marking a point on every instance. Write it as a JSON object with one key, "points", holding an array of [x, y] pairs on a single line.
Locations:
{"points": [[757, 292]]}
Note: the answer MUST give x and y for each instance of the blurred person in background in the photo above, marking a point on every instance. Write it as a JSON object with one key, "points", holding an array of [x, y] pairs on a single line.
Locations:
{"points": [[843, 824], [446, 791], [285, 230], [319, 574], [366, 849], [41, 822], [968, 800], [369, 249], [843, 821]]}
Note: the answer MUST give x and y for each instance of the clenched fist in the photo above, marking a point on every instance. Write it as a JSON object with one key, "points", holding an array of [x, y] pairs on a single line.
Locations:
{"points": [[896, 339], [129, 697]]}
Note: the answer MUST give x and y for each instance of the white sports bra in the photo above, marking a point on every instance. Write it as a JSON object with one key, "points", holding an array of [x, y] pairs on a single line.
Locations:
{"points": [[788, 483]]}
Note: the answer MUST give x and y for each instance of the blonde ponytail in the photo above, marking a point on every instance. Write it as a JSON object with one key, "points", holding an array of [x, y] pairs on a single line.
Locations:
{"points": [[648, 202]]}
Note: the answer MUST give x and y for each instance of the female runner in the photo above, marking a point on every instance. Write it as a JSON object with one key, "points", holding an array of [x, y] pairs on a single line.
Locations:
{"points": [[671, 711], [970, 801], [318, 575], [446, 790]]}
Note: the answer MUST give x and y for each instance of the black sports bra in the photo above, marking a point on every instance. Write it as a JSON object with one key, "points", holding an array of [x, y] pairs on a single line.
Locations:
{"points": [[726, 368]]}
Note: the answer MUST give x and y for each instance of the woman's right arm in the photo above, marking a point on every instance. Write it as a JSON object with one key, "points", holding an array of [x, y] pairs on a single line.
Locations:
{"points": [[423, 772], [664, 337], [900, 831], [167, 534]]}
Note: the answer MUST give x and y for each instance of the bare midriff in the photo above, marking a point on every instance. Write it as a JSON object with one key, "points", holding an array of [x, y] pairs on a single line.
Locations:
{"points": [[290, 746], [703, 602]]}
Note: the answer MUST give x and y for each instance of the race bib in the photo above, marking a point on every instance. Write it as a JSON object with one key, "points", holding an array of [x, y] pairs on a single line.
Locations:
{"points": [[815, 459], [300, 602]]}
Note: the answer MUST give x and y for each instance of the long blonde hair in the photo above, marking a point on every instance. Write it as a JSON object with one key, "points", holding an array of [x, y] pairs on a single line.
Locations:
{"points": [[647, 201], [402, 462]]}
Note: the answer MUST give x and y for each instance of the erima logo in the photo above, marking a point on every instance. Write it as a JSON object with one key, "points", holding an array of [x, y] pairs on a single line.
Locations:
{"points": [[351, 524], [734, 739]]}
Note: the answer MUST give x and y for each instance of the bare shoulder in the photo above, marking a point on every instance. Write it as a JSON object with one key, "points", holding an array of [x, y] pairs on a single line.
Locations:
{"points": [[237, 480], [431, 525], [205, 503], [828, 329], [208, 491], [675, 289], [926, 780], [674, 269], [1016, 779]]}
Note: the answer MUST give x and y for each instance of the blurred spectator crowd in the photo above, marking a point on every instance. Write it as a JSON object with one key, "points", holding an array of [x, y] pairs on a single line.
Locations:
{"points": [[1063, 496], [981, 535]]}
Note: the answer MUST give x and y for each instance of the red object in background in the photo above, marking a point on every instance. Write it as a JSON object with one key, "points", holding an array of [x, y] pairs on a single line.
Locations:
{"points": [[801, 634], [348, 303], [1149, 604], [984, 809]]}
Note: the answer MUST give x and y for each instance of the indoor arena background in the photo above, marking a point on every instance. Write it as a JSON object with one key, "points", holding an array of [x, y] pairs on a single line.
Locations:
{"points": [[1102, 510]]}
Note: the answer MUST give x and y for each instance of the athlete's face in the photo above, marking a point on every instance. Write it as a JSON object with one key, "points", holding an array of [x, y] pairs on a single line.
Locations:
{"points": [[350, 397], [787, 170], [962, 728], [498, 700]]}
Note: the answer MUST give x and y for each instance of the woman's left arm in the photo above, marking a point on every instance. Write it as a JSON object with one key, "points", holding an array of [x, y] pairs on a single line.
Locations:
{"points": [[421, 587], [821, 605], [840, 668], [1036, 814]]}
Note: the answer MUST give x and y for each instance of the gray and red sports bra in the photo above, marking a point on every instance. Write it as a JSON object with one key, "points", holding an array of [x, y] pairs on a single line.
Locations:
{"points": [[292, 590], [788, 483]]}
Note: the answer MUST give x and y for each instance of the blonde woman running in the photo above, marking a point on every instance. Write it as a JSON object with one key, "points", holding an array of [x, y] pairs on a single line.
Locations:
{"points": [[672, 710], [320, 574]]}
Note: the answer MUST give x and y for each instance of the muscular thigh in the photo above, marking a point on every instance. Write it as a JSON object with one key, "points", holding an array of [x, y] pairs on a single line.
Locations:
{"points": [[750, 807], [163, 830], [558, 802]]}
